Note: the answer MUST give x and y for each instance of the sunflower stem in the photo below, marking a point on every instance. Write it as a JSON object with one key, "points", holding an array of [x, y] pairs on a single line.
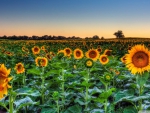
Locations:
{"points": [[11, 101], [105, 104], [63, 89], [140, 101], [42, 85], [87, 88], [57, 106]]}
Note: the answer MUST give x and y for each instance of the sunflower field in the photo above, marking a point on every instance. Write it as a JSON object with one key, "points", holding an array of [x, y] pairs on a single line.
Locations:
{"points": [[75, 76]]}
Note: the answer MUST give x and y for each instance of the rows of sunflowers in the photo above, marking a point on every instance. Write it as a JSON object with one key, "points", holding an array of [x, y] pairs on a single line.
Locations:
{"points": [[94, 76]]}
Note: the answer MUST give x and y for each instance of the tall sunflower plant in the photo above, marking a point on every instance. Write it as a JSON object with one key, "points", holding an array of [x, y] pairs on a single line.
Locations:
{"points": [[138, 63]]}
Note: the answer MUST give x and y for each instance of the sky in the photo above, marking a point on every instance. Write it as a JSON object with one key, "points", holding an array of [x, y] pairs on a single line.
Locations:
{"points": [[80, 18]]}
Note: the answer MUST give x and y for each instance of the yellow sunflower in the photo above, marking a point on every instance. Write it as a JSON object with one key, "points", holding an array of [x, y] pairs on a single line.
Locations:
{"points": [[89, 63], [92, 54], [19, 68], [41, 61], [99, 49], [67, 52], [4, 72], [36, 50], [107, 52], [103, 59], [78, 54], [138, 59]]}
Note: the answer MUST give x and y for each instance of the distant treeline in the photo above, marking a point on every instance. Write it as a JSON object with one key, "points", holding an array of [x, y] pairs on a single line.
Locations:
{"points": [[46, 37]]}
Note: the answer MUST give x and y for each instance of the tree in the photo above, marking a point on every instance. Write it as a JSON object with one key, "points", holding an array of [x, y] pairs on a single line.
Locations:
{"points": [[119, 34], [95, 37]]}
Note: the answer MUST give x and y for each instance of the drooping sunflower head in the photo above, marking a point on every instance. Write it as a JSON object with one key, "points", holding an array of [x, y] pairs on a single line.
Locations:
{"points": [[41, 61], [89, 63], [107, 52], [19, 68], [67, 52], [60, 54], [138, 59], [103, 59], [36, 50], [78, 54], [92, 54]]}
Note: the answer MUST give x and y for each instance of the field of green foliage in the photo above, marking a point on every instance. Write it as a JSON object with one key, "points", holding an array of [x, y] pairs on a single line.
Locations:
{"points": [[74, 76]]}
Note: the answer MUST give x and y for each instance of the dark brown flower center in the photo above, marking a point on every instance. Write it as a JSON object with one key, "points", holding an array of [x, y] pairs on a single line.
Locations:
{"points": [[92, 54], [104, 59], [140, 59], [67, 51], [78, 53], [36, 49]]}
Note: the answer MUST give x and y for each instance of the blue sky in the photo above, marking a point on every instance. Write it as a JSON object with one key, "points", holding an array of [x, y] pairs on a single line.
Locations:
{"points": [[83, 18]]}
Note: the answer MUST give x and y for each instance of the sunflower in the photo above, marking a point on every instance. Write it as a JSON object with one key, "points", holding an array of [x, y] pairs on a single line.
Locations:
{"points": [[19, 68], [48, 56], [107, 52], [36, 50], [78, 54], [92, 54], [67, 52], [107, 77], [41, 61], [24, 49], [103, 59], [89, 63], [138, 59], [123, 59], [4, 72], [99, 49]]}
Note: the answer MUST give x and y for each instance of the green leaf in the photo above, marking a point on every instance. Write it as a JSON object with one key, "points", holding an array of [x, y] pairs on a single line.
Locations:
{"points": [[48, 110], [27, 91], [130, 109], [104, 96], [74, 109], [142, 79], [34, 71], [3, 105], [47, 74], [80, 101], [24, 102]]}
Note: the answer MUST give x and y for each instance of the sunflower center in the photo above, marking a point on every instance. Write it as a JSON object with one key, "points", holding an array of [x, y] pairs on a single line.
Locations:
{"points": [[36, 49], [140, 59], [67, 51], [104, 59], [92, 54], [78, 53], [19, 67], [107, 77]]}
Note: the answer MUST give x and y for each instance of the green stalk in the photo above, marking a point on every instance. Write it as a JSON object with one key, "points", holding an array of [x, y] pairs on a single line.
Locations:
{"points": [[87, 88], [11, 101], [140, 101], [42, 85], [105, 104], [57, 106], [24, 80], [63, 88]]}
